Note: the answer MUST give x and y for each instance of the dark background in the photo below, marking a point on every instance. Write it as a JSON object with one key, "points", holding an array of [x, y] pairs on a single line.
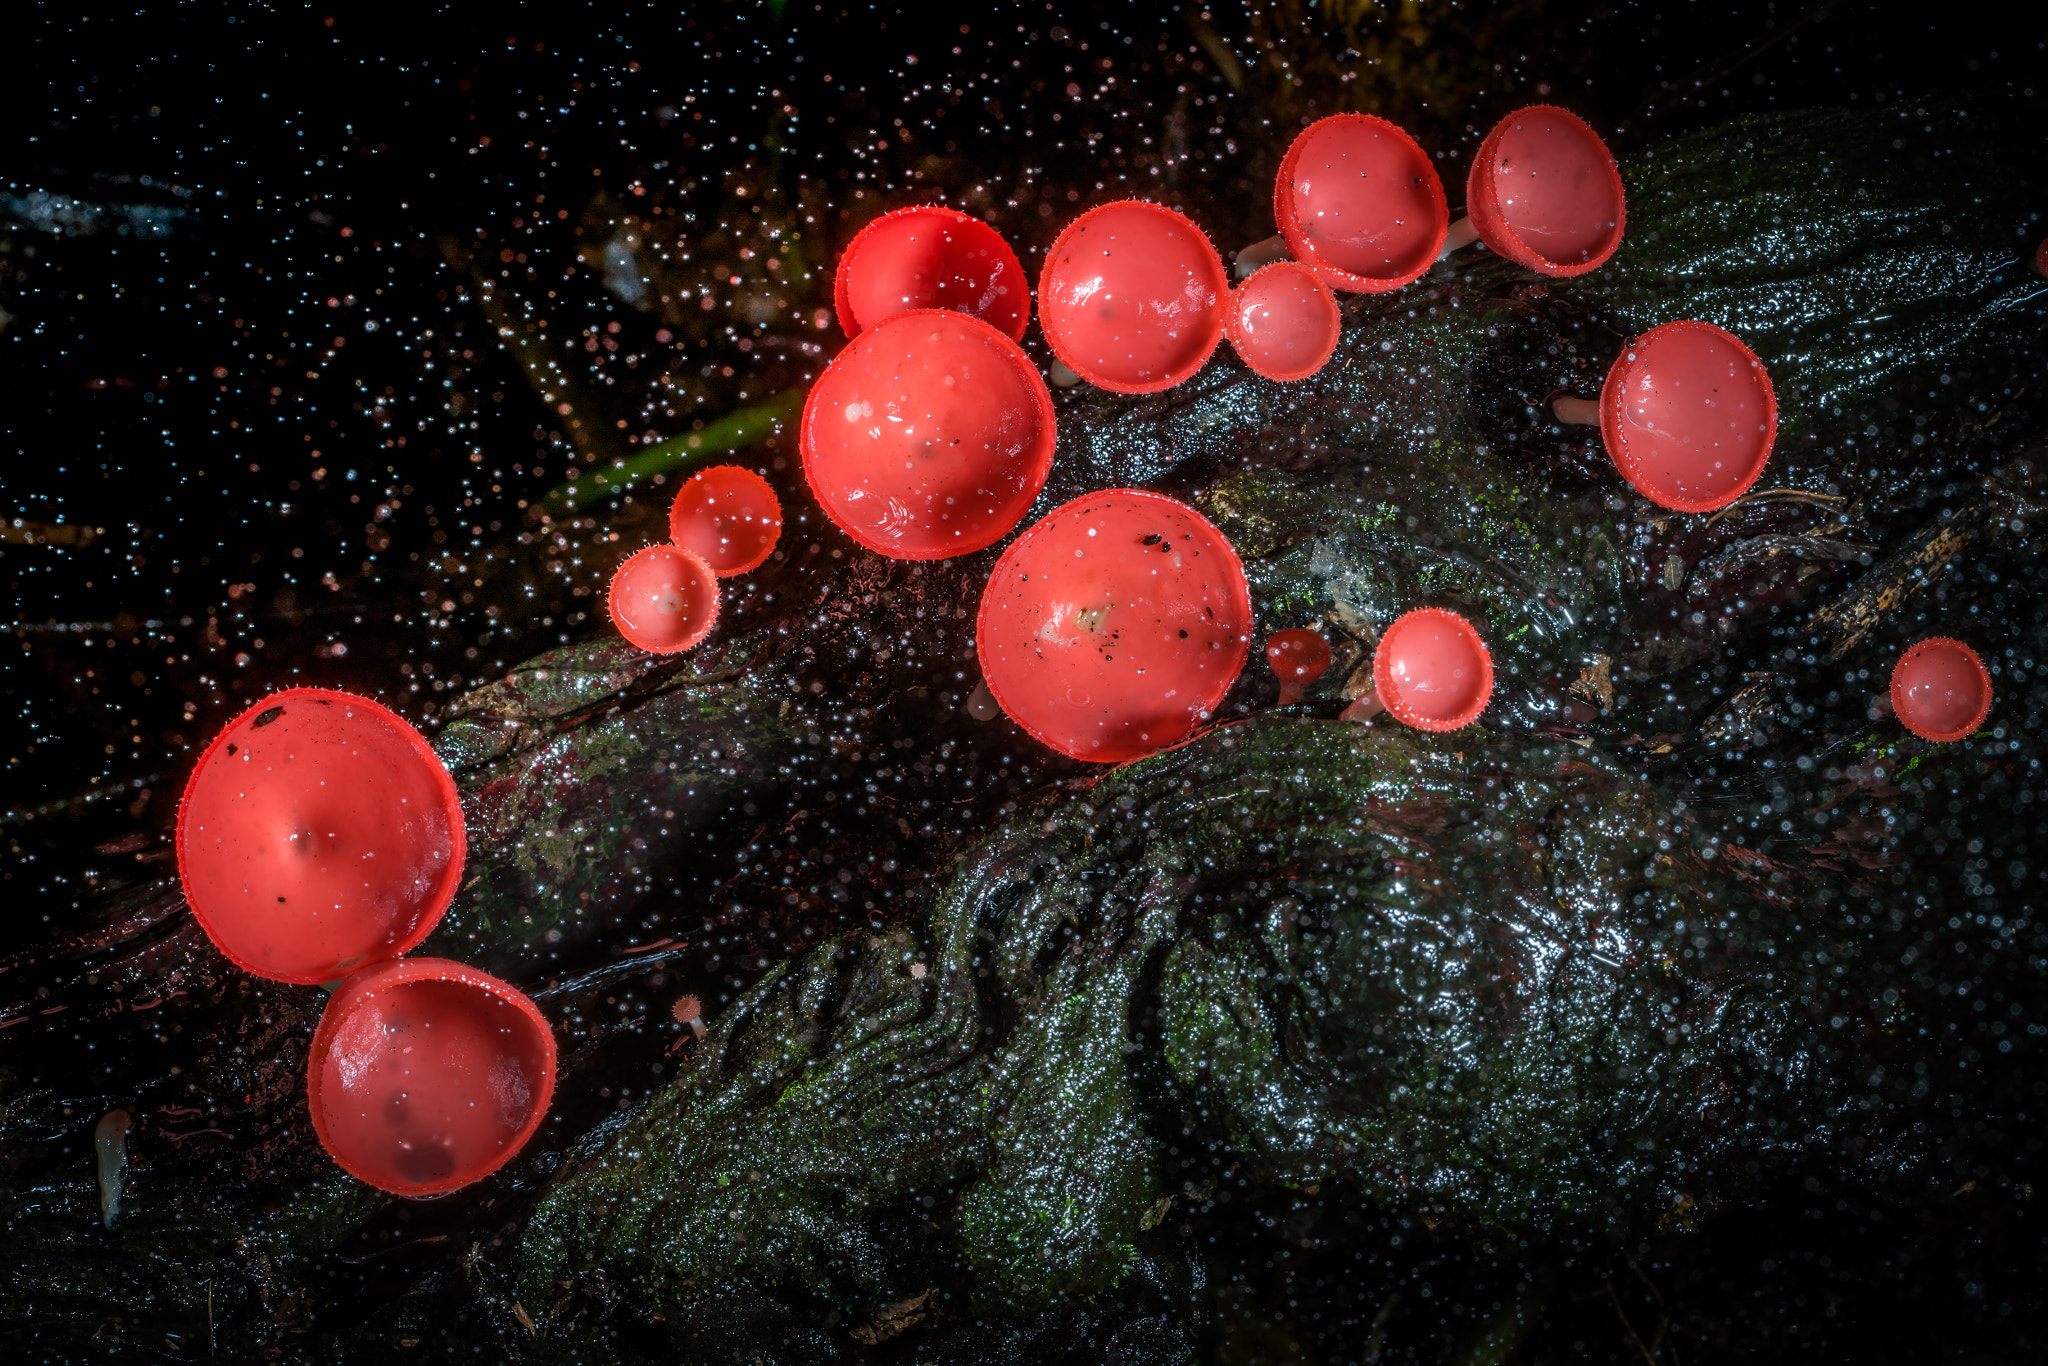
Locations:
{"points": [[261, 419]]}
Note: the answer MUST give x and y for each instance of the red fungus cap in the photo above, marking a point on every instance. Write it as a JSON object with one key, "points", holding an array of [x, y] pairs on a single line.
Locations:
{"points": [[930, 257], [1688, 416], [664, 599], [1283, 321], [1543, 192], [1432, 670], [1298, 655], [1131, 297], [1941, 690], [1114, 625], [928, 436], [727, 516], [426, 1075], [318, 833], [1358, 200]]}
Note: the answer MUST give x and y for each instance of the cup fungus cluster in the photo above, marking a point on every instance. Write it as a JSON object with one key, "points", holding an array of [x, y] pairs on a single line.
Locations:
{"points": [[319, 840]]}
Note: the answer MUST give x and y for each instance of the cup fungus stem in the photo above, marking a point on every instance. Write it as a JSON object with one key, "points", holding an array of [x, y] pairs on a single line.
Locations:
{"points": [[1459, 235], [1062, 377], [110, 1138], [1263, 253], [1576, 412]]}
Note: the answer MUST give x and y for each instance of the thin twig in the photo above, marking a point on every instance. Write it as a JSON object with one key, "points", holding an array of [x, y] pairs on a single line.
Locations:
{"points": [[1649, 1357]]}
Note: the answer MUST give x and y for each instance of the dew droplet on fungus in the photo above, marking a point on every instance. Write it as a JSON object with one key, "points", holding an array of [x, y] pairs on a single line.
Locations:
{"points": [[318, 832], [664, 599], [1115, 625]]}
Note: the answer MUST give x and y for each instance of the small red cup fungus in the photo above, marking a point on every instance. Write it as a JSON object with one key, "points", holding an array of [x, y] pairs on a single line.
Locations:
{"points": [[728, 516], [930, 257], [1283, 321], [1132, 297], [318, 833], [427, 1075], [1299, 657], [664, 599], [1688, 416], [1432, 671], [1114, 625], [928, 436], [1358, 201], [1544, 192], [1941, 690]]}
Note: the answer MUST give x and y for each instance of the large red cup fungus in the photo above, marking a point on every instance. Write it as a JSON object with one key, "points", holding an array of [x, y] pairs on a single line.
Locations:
{"points": [[1132, 297], [1298, 657], [1688, 416], [930, 257], [1544, 192], [1432, 671], [1283, 321], [1113, 626], [1941, 690], [928, 436], [426, 1075], [318, 833], [1358, 201], [728, 516], [664, 599]]}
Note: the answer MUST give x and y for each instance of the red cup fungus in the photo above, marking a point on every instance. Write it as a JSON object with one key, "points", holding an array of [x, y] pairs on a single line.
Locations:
{"points": [[928, 436], [664, 599], [930, 257], [1432, 671], [1132, 297], [1298, 657], [1283, 321], [1941, 690], [1114, 625], [728, 516], [426, 1075], [1544, 192], [1688, 416], [1358, 201], [319, 832]]}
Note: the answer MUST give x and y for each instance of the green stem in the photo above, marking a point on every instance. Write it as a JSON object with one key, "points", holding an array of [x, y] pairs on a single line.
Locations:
{"points": [[735, 431]]}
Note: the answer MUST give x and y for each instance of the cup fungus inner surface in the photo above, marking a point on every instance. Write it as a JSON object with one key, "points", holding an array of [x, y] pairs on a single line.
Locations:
{"points": [[729, 516], [1941, 690], [1432, 670], [931, 257], [1688, 416], [1132, 297], [1283, 321], [1548, 179], [664, 599], [1114, 625], [928, 436], [426, 1075], [1358, 200], [318, 833]]}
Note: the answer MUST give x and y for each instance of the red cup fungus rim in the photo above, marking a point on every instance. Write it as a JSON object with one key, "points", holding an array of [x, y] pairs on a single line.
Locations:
{"points": [[1613, 394], [1912, 655], [842, 286], [1482, 199], [1287, 212], [697, 565], [730, 474], [1244, 295], [356, 991], [1213, 333], [223, 744], [1389, 692]]}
